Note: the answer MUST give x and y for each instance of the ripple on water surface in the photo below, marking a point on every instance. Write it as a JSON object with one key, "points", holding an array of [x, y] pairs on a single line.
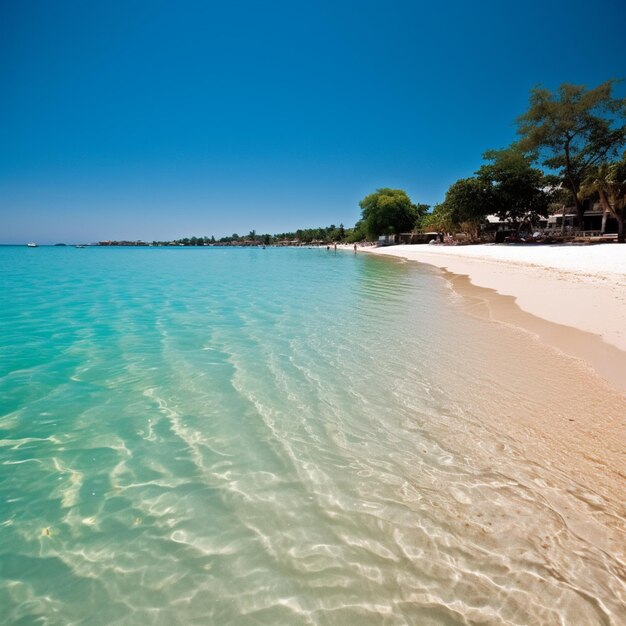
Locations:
{"points": [[282, 436]]}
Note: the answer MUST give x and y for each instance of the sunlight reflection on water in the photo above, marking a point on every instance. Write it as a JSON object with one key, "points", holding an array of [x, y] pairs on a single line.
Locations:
{"points": [[281, 436]]}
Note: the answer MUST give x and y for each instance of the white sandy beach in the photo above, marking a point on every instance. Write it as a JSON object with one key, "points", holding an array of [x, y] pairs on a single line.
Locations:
{"points": [[579, 286]]}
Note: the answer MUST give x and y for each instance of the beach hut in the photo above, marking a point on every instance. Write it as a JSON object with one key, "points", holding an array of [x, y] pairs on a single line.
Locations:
{"points": [[387, 240]]}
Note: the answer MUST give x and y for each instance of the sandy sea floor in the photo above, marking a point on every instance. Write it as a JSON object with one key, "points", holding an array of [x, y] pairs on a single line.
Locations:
{"points": [[567, 301], [295, 437]]}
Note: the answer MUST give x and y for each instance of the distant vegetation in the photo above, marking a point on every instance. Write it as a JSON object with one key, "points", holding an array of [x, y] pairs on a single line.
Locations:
{"points": [[326, 234], [577, 134]]}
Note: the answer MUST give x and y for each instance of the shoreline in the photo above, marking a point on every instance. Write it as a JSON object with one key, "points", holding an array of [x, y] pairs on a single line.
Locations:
{"points": [[572, 298]]}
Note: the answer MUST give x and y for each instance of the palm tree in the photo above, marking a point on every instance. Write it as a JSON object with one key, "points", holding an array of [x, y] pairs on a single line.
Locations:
{"points": [[608, 180]]}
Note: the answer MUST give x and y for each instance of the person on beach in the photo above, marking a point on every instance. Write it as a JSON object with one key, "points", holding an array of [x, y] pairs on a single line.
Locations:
{"points": [[354, 248]]}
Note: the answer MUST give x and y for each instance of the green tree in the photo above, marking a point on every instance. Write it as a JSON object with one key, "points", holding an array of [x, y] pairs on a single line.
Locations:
{"points": [[358, 233], [388, 211], [422, 212], [514, 190], [439, 219], [574, 130], [468, 201], [608, 180]]}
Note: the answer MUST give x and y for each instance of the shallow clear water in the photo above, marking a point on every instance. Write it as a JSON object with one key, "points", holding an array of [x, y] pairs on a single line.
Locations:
{"points": [[211, 436]]}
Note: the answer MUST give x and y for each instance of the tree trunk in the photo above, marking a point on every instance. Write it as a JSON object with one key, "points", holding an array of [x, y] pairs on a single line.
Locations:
{"points": [[580, 212], [574, 187], [615, 211]]}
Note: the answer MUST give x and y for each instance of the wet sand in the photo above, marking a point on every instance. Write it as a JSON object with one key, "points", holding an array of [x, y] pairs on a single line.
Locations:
{"points": [[558, 417], [581, 426], [577, 428], [576, 304], [608, 361]]}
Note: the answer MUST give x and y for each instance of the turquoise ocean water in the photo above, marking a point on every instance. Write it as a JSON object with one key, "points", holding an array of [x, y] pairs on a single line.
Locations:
{"points": [[246, 436]]}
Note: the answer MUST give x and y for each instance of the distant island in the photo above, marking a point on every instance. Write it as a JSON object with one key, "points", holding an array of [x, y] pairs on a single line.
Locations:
{"points": [[319, 235]]}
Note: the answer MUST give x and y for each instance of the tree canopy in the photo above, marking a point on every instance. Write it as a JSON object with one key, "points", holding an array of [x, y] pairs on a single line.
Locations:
{"points": [[390, 211], [439, 220], [573, 130], [468, 201], [514, 190]]}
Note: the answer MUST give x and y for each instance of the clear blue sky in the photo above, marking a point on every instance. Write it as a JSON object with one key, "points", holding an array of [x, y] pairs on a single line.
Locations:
{"points": [[155, 120]]}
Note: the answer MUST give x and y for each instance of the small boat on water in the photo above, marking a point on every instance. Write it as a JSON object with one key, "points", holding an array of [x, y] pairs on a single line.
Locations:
{"points": [[32, 244], [80, 245]]}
